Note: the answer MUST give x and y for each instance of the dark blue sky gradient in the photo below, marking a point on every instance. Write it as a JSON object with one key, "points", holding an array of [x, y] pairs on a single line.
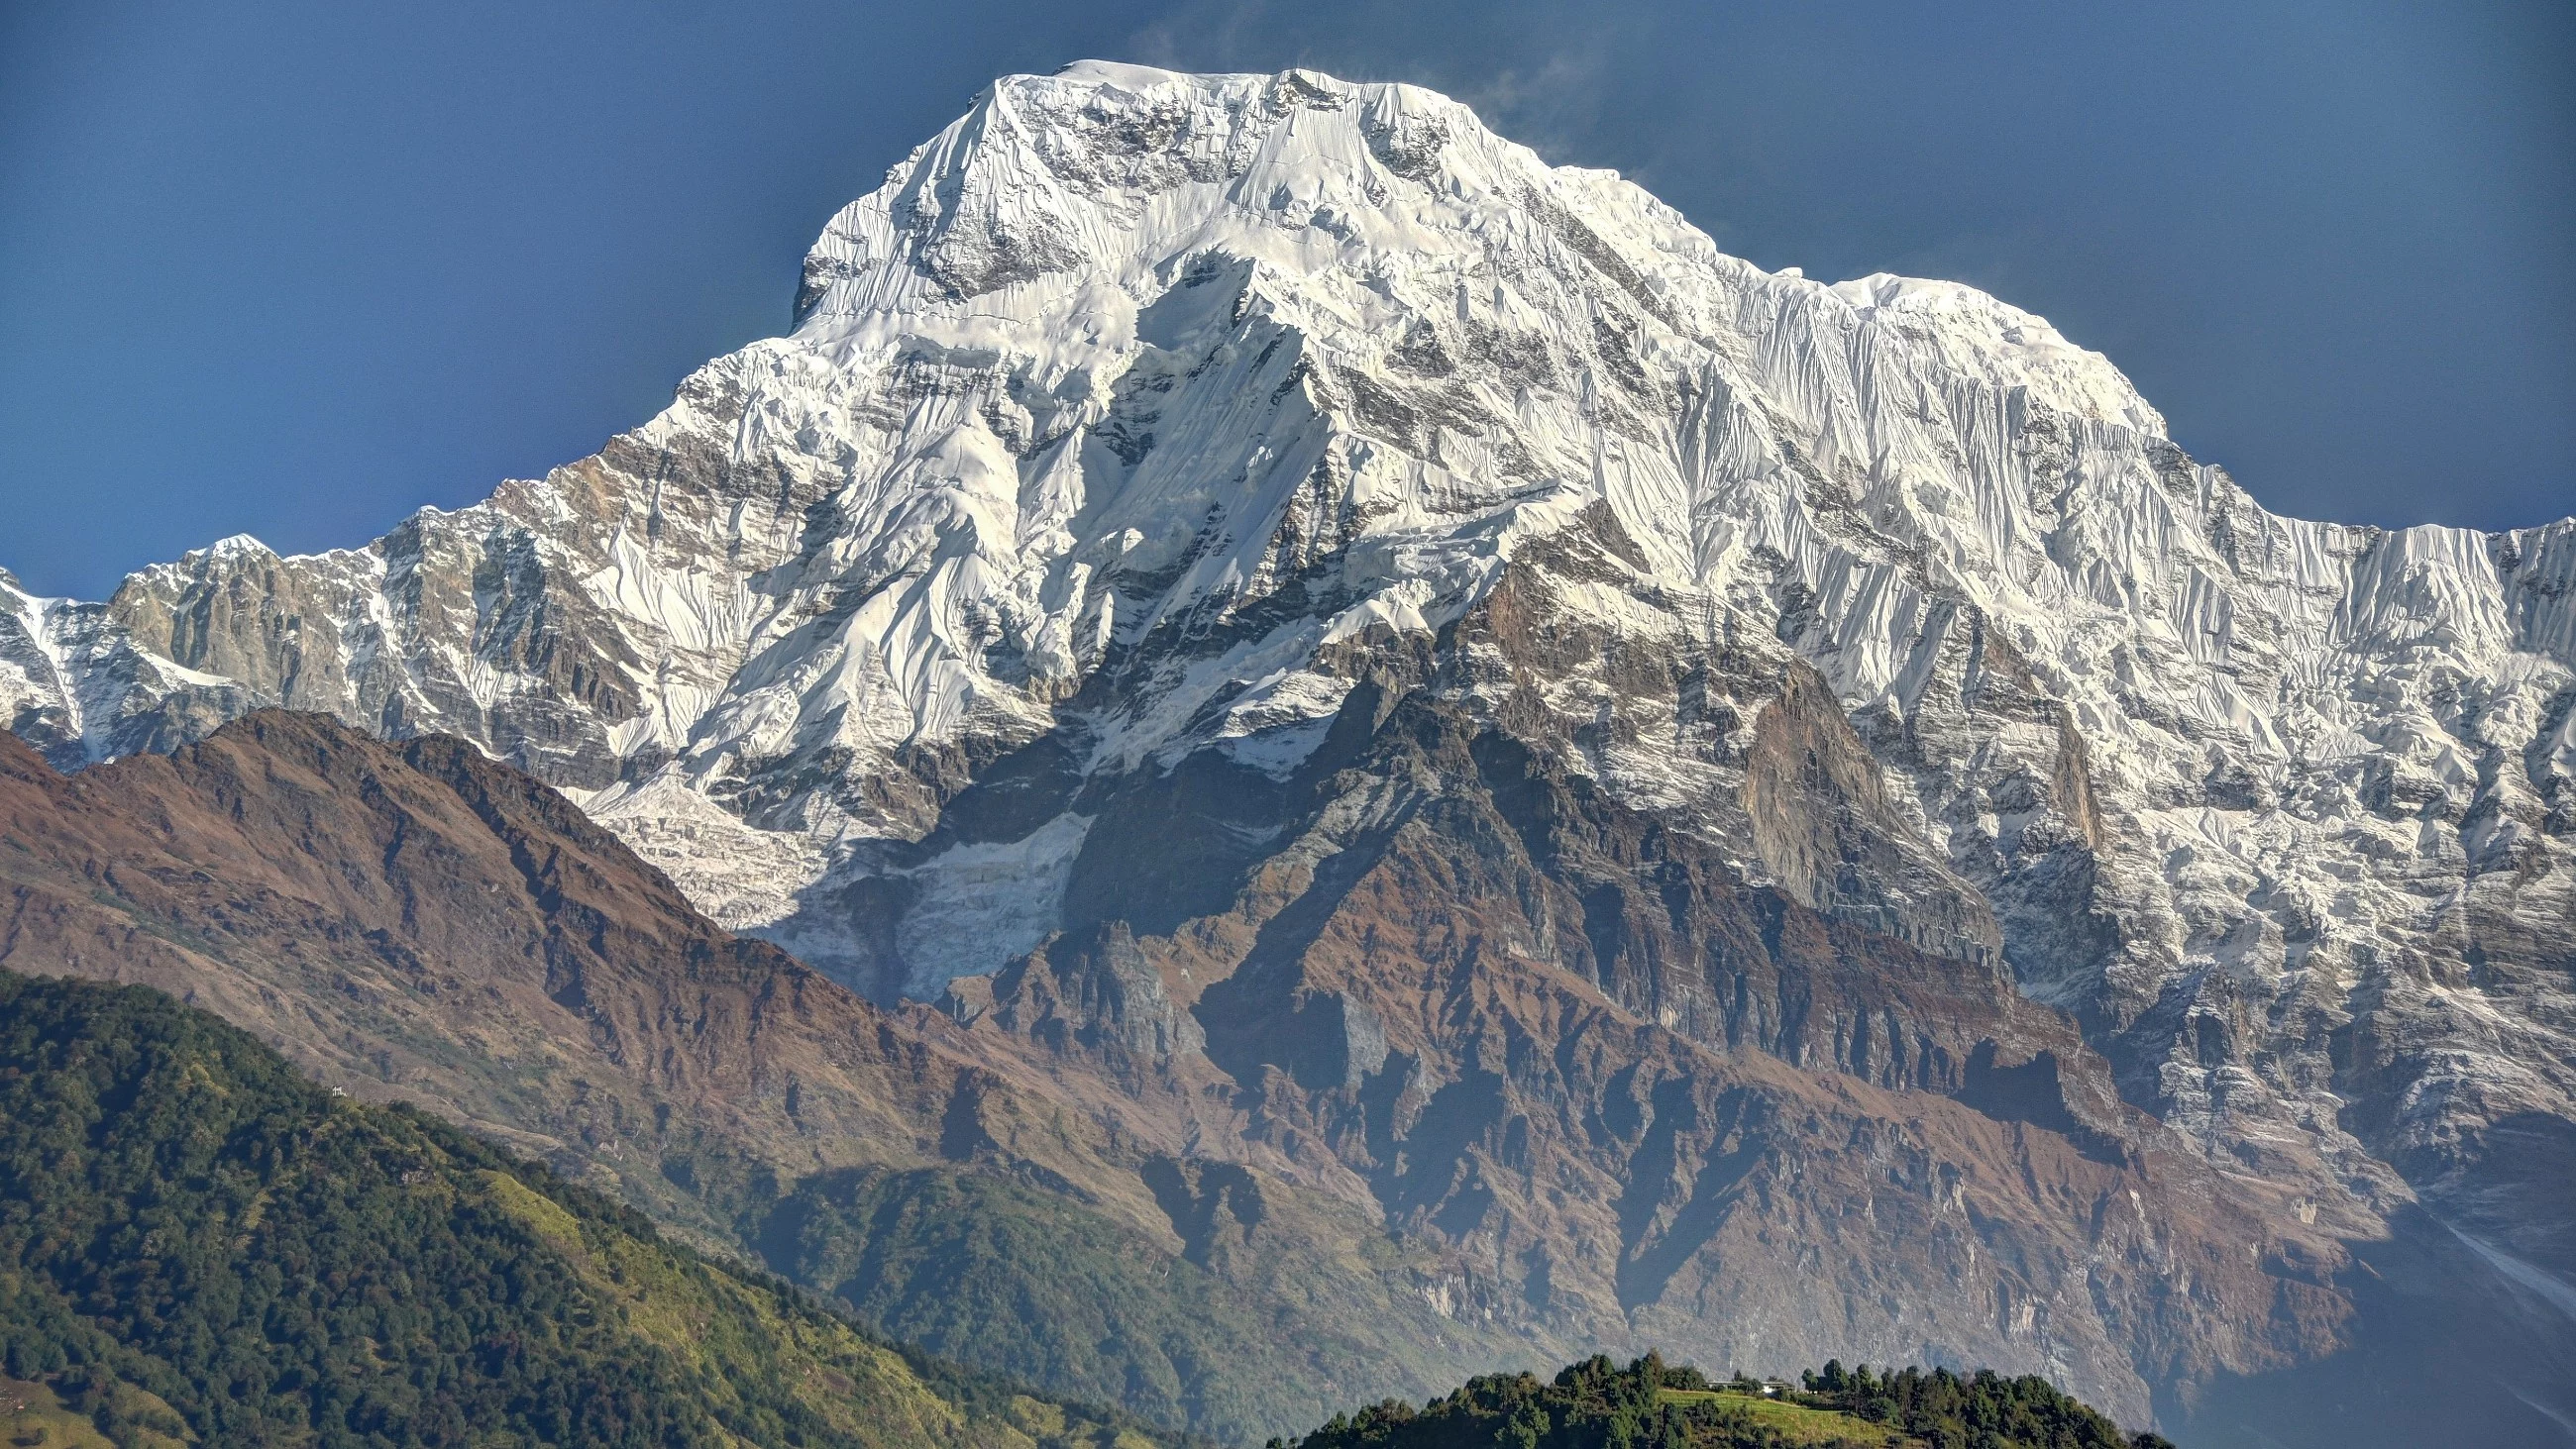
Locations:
{"points": [[297, 269]]}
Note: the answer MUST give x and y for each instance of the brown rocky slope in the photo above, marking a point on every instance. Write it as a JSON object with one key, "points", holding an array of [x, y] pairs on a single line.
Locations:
{"points": [[417, 922], [1478, 1067]]}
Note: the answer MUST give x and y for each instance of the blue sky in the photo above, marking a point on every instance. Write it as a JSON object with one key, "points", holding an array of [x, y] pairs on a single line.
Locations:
{"points": [[296, 269]]}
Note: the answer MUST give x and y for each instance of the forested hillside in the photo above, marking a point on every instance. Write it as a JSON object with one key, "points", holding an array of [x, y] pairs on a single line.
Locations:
{"points": [[1651, 1405], [199, 1246]]}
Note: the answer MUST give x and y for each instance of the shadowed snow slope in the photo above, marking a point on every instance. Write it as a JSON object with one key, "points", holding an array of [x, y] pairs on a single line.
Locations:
{"points": [[1142, 427]]}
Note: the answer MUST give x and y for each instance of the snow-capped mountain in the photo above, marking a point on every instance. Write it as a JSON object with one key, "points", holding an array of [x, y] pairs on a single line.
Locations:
{"points": [[1139, 419]]}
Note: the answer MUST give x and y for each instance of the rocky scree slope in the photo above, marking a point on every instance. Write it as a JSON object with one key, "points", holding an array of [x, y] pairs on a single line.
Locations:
{"points": [[1140, 420]]}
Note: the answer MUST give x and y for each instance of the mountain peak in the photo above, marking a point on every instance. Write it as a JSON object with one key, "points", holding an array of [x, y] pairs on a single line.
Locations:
{"points": [[238, 545], [1177, 489], [1123, 74], [1051, 179]]}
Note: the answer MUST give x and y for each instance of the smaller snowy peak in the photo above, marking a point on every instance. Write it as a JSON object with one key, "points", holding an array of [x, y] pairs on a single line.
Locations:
{"points": [[225, 558], [2006, 346], [234, 546]]}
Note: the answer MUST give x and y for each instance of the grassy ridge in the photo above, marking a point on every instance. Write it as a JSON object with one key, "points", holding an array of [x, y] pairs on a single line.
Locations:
{"points": [[198, 1246], [1793, 1423]]}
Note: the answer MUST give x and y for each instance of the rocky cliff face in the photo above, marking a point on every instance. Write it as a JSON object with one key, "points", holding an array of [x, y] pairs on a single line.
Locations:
{"points": [[1248, 559]]}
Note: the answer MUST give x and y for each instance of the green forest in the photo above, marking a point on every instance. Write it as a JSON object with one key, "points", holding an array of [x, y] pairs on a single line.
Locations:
{"points": [[1651, 1405], [197, 1246]]}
